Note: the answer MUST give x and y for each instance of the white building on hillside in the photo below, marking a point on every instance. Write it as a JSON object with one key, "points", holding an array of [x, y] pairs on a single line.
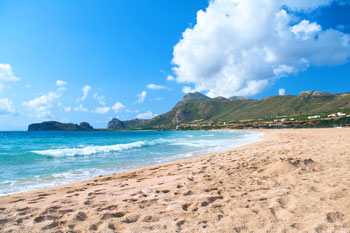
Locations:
{"points": [[313, 117]]}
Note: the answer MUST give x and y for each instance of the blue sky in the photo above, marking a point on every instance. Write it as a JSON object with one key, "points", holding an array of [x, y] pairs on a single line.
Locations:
{"points": [[114, 50]]}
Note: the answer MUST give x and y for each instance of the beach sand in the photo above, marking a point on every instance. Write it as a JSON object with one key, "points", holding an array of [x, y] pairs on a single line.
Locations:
{"points": [[294, 180]]}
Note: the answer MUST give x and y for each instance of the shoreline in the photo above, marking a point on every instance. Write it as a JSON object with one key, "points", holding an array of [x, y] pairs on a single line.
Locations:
{"points": [[247, 139], [291, 180]]}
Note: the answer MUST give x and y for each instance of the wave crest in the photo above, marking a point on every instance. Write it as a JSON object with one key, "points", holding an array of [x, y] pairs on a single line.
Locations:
{"points": [[89, 150]]}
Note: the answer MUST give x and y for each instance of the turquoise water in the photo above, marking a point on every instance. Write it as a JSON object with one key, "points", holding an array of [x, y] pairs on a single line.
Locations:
{"points": [[34, 160]]}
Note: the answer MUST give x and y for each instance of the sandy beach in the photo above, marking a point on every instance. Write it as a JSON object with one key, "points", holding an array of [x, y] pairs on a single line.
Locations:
{"points": [[292, 181]]}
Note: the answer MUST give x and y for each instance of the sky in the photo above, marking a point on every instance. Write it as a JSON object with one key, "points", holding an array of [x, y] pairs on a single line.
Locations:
{"points": [[74, 61]]}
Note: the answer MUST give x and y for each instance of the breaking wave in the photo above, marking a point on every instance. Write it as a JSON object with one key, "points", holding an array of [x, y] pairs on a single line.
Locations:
{"points": [[89, 150]]}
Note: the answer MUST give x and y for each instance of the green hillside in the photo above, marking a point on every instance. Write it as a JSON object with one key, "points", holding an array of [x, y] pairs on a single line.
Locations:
{"points": [[197, 106]]}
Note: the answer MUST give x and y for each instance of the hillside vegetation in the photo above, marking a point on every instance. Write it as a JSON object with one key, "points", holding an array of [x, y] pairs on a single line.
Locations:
{"points": [[198, 107]]}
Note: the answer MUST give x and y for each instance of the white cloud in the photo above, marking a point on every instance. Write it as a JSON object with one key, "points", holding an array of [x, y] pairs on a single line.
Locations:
{"points": [[67, 109], [86, 89], [281, 91], [102, 110], [305, 30], [80, 108], [239, 47], [61, 83], [146, 115], [187, 89], [100, 99], [6, 75], [170, 78], [282, 70], [155, 87], [41, 106], [6, 107], [160, 98], [118, 106], [141, 97]]}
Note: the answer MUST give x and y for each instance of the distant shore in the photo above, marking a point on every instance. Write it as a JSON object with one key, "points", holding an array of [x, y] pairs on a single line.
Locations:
{"points": [[293, 180]]}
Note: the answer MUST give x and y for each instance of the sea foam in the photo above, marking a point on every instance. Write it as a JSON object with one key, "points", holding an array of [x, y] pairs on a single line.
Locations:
{"points": [[90, 150]]}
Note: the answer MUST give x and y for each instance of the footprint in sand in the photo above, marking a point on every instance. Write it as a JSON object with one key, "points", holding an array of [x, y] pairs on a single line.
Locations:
{"points": [[180, 223], [112, 215], [335, 217], [81, 216], [18, 200], [188, 193], [4, 220], [131, 219], [93, 227], [111, 226], [149, 218], [185, 206], [111, 207], [63, 212], [53, 225]]}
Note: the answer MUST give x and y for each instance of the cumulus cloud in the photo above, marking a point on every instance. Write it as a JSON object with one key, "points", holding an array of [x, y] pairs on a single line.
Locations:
{"points": [[41, 106], [141, 97], [239, 47], [6, 107], [187, 89], [86, 89], [67, 109], [170, 78], [6, 75], [117, 107], [102, 110], [61, 83], [281, 91], [305, 30], [100, 99], [81, 108], [155, 87], [146, 115]]}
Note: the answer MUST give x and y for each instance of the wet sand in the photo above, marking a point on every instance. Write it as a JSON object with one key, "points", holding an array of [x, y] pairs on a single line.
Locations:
{"points": [[294, 180]]}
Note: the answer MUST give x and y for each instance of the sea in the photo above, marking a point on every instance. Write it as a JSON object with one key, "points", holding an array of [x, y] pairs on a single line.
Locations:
{"points": [[35, 160]]}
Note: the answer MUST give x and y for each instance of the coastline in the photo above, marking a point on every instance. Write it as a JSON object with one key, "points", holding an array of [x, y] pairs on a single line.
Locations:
{"points": [[288, 181], [210, 142]]}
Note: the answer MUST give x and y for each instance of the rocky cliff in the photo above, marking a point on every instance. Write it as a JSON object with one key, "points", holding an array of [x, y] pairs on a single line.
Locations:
{"points": [[58, 126], [115, 124], [118, 124]]}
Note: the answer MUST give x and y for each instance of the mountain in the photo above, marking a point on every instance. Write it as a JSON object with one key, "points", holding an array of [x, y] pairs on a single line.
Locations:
{"points": [[118, 124], [192, 98], [198, 107], [134, 123], [115, 124], [238, 98], [57, 126]]}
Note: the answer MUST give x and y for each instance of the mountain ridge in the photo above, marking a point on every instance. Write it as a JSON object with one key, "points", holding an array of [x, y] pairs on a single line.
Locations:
{"points": [[197, 107], [222, 109]]}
